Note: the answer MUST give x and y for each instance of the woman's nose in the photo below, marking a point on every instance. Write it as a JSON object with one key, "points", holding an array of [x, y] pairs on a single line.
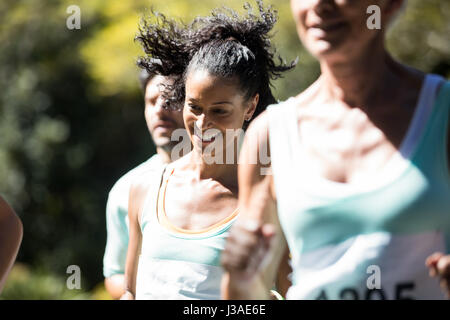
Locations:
{"points": [[202, 123], [322, 6]]}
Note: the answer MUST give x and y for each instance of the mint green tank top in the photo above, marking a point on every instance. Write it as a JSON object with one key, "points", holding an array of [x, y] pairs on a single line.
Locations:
{"points": [[367, 241], [175, 265]]}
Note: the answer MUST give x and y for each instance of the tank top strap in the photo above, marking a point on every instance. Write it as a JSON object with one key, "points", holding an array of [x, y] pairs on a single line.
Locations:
{"points": [[283, 138], [442, 103], [149, 207], [431, 150], [422, 114]]}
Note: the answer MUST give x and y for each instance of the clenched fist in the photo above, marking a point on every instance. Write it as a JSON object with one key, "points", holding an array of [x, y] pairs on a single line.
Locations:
{"points": [[247, 247], [439, 265]]}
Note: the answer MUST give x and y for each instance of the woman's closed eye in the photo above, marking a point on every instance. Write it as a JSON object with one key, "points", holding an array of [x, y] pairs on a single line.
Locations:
{"points": [[194, 108], [220, 111]]}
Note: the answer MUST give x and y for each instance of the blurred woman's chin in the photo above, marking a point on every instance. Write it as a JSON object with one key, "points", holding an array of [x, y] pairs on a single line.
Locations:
{"points": [[321, 49]]}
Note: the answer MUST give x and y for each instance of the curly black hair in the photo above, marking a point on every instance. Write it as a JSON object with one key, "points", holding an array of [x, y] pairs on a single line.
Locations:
{"points": [[224, 44]]}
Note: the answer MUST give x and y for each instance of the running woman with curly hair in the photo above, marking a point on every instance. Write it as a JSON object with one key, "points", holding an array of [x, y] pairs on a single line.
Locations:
{"points": [[180, 216]]}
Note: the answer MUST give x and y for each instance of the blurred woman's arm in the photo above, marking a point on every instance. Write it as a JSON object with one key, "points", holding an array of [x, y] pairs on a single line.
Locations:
{"points": [[11, 232], [256, 247]]}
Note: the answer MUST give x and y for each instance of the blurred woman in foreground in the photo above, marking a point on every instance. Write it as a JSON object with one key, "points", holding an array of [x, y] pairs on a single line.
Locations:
{"points": [[180, 215], [360, 164]]}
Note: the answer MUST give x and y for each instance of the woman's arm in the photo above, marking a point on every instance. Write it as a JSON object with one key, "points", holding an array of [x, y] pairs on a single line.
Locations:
{"points": [[11, 232], [136, 200], [115, 285], [256, 245]]}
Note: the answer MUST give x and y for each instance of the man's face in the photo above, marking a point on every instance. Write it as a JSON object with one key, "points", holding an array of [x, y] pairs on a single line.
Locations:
{"points": [[161, 122]]}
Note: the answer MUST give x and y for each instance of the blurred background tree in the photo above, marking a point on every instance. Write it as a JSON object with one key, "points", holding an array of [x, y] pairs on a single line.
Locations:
{"points": [[71, 118]]}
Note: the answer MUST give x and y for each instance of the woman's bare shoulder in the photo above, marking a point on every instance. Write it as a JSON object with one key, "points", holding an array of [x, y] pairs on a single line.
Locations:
{"points": [[5, 209]]}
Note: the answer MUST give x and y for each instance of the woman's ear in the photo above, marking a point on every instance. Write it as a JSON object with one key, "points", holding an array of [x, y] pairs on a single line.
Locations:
{"points": [[251, 108]]}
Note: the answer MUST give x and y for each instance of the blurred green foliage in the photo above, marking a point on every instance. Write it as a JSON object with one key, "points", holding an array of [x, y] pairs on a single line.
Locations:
{"points": [[24, 283], [71, 116], [37, 284]]}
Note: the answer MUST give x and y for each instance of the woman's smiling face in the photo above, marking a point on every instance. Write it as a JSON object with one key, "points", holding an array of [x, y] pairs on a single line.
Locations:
{"points": [[337, 29], [213, 106]]}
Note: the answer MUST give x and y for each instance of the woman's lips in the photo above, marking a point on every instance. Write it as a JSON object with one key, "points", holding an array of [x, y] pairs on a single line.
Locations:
{"points": [[326, 29], [205, 141]]}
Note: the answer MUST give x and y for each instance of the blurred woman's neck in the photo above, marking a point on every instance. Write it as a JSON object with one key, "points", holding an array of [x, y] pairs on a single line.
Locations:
{"points": [[355, 80]]}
